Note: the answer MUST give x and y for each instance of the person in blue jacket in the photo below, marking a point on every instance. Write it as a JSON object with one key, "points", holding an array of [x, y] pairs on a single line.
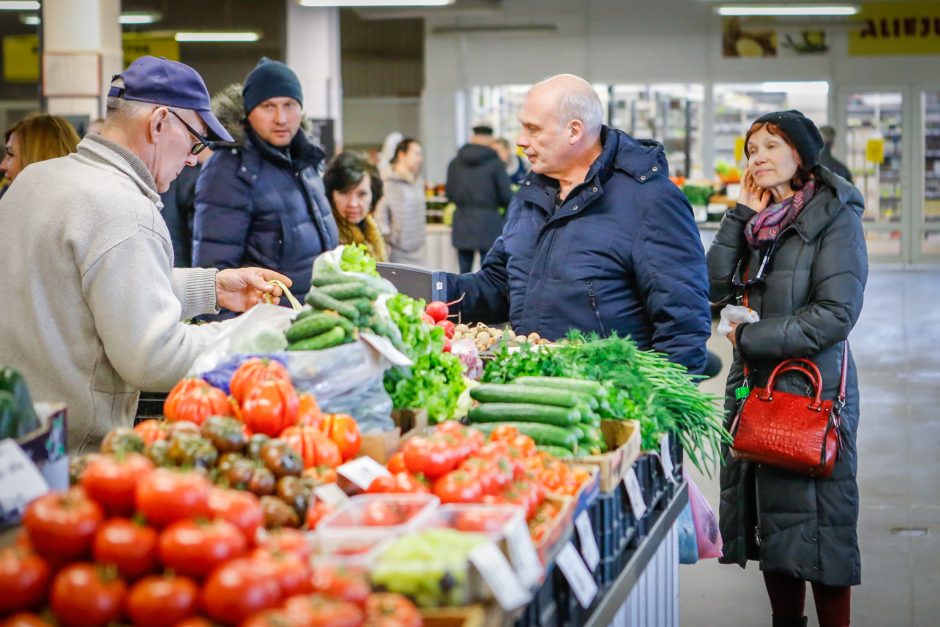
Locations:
{"points": [[262, 202], [597, 237]]}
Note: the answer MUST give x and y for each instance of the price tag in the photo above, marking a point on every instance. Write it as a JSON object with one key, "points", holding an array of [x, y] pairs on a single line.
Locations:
{"points": [[523, 554], [577, 574], [499, 576], [589, 550], [362, 471], [331, 494], [386, 349], [666, 458], [20, 479], [637, 504]]}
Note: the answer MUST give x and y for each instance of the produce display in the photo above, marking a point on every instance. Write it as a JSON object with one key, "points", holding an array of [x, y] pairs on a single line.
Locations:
{"points": [[17, 417], [486, 338]]}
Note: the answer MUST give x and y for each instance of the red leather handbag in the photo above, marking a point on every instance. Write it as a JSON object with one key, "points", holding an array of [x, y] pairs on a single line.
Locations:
{"points": [[791, 431]]}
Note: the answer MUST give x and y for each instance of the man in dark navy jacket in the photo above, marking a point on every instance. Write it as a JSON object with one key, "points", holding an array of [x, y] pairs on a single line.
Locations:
{"points": [[597, 238]]}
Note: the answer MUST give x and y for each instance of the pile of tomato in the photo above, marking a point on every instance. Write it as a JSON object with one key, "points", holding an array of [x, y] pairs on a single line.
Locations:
{"points": [[164, 547]]}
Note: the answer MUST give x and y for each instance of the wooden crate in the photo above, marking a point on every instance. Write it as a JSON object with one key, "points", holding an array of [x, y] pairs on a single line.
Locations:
{"points": [[623, 442]]}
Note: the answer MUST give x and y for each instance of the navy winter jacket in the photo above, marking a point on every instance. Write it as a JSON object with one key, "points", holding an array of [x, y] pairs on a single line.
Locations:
{"points": [[622, 253], [257, 206]]}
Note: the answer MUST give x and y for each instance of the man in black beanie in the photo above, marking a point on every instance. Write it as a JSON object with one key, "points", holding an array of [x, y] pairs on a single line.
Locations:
{"points": [[262, 198]]}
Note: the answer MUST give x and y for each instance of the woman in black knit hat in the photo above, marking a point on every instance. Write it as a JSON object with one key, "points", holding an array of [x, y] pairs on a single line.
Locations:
{"points": [[794, 243]]}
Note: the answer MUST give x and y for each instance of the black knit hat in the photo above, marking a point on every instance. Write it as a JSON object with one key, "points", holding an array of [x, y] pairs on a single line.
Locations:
{"points": [[270, 79], [801, 132]]}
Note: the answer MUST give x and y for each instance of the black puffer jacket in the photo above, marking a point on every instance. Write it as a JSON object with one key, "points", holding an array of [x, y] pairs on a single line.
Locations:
{"points": [[808, 304], [478, 184]]}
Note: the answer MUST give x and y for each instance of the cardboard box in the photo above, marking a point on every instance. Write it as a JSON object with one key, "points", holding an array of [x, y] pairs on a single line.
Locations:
{"points": [[559, 531], [381, 446], [623, 442], [46, 447]]}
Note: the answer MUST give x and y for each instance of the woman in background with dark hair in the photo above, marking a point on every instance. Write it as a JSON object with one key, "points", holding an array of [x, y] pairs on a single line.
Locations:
{"points": [[794, 244], [353, 188]]}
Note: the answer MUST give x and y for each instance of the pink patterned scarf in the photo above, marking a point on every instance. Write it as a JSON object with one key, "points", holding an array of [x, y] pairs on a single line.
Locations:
{"points": [[765, 226]]}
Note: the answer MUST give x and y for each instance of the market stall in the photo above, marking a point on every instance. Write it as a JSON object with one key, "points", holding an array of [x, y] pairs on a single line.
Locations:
{"points": [[364, 457]]}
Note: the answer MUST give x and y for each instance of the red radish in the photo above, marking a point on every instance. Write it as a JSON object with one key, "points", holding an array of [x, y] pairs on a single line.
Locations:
{"points": [[448, 327], [428, 319], [437, 310], [446, 345]]}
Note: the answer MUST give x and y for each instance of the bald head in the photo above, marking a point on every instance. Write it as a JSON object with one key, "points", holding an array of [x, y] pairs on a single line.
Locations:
{"points": [[572, 98]]}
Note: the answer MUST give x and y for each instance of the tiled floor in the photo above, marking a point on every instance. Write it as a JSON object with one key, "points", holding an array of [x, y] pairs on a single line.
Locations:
{"points": [[896, 345]]}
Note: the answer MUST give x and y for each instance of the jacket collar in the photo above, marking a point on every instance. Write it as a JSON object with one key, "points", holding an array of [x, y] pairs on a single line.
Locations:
{"points": [[641, 160], [833, 193], [98, 148], [300, 154]]}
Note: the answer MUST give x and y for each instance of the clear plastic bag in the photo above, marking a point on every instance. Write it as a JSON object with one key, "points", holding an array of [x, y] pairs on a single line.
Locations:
{"points": [[707, 533], [260, 330], [736, 314]]}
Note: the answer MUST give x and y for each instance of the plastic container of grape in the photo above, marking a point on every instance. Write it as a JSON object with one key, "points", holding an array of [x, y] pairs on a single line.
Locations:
{"points": [[495, 521], [366, 519]]}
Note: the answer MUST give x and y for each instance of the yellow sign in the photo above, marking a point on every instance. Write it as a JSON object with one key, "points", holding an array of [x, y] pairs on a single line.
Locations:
{"points": [[875, 150], [896, 28], [738, 149], [21, 59], [21, 53]]}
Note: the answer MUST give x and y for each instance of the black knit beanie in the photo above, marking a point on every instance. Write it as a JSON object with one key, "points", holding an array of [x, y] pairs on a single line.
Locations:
{"points": [[801, 132], [270, 79]]}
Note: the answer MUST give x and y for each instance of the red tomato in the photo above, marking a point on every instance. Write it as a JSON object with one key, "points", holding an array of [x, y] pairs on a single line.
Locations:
{"points": [[151, 431], [380, 514], [399, 483], [458, 487], [195, 548], [161, 600], [253, 372], [437, 310], [237, 589], [26, 619], [269, 618], [396, 463], [309, 413], [447, 345], [195, 400], [394, 607], [130, 546], [316, 609], [270, 407], [23, 579], [291, 572], [504, 433], [480, 520], [195, 621], [62, 525], [422, 456], [112, 482], [165, 496], [344, 431], [313, 447], [317, 512], [287, 541], [240, 508], [448, 327], [84, 596], [342, 582], [329, 453]]}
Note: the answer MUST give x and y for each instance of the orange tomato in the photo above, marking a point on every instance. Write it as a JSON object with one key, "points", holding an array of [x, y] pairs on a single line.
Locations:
{"points": [[253, 372], [270, 407], [195, 400], [344, 431], [308, 411], [314, 448]]}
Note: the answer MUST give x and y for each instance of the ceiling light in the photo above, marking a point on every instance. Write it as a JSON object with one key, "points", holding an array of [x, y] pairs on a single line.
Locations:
{"points": [[139, 18], [788, 10], [30, 20], [188, 37], [8, 5], [374, 3], [796, 87]]}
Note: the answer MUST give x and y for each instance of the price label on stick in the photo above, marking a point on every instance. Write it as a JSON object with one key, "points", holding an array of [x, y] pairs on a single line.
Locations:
{"points": [[362, 471], [637, 504], [589, 550], [523, 554], [666, 458], [20, 480], [577, 574], [331, 494], [499, 576]]}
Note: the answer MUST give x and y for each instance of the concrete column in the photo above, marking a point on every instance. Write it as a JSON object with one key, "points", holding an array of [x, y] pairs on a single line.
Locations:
{"points": [[313, 52], [81, 41]]}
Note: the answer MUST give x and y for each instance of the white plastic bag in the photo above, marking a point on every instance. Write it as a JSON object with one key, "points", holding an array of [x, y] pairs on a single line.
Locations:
{"points": [[737, 314], [259, 330]]}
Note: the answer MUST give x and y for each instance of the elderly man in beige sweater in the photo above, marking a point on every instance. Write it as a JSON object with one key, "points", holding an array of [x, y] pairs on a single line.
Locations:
{"points": [[92, 308]]}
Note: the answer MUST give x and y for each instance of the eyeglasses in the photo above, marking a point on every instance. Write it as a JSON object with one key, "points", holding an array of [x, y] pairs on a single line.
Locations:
{"points": [[200, 145]]}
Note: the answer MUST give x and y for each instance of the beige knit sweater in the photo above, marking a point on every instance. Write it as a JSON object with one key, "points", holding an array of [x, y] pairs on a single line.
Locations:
{"points": [[91, 307]]}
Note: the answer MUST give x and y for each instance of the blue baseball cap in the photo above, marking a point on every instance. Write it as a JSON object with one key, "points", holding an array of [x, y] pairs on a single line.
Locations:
{"points": [[169, 83]]}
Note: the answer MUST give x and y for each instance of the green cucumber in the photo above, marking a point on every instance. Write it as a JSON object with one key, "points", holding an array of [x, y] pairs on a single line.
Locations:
{"points": [[508, 393], [335, 279], [333, 337], [525, 412], [585, 386], [319, 300], [554, 451], [545, 435], [362, 305], [344, 291], [311, 326]]}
